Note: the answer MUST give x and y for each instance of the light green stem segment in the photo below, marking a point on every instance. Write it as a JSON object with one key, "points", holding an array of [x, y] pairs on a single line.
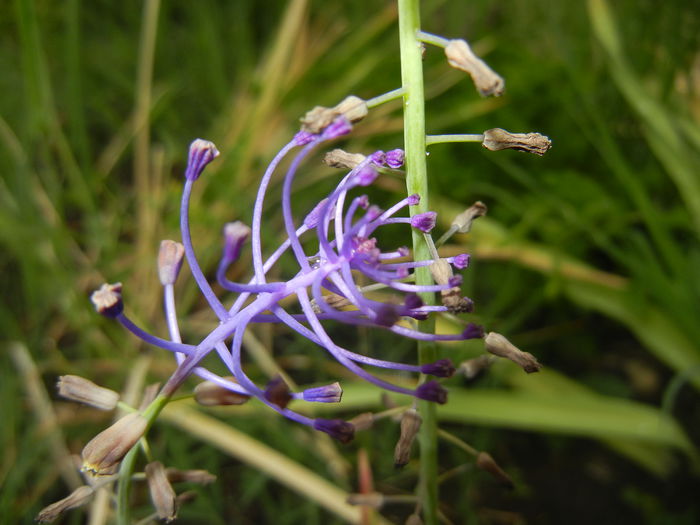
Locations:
{"points": [[126, 469], [417, 182]]}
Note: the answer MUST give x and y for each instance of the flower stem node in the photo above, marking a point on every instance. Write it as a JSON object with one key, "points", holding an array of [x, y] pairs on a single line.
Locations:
{"points": [[410, 425], [342, 159], [432, 391], [278, 392], [343, 431], [497, 139], [202, 152], [103, 453], [332, 393], [108, 300], [208, 393], [170, 258], [352, 108], [460, 56], [500, 346], [440, 368], [424, 222], [162, 493], [77, 498], [84, 391]]}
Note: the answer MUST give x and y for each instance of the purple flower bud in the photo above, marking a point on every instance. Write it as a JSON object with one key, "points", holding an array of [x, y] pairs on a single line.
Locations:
{"points": [[473, 331], [395, 158], [378, 158], [339, 127], [440, 368], [324, 394], [363, 202], [454, 280], [413, 199], [235, 236], [424, 221], [373, 212], [402, 272], [341, 430], [365, 176], [432, 391], [303, 137], [108, 300], [412, 301], [277, 392], [387, 315], [403, 251], [202, 152], [461, 261]]}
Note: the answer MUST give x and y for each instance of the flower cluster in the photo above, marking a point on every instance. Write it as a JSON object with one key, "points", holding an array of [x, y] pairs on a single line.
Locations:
{"points": [[326, 288]]}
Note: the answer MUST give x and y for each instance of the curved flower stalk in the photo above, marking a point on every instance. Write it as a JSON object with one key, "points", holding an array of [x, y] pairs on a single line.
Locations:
{"points": [[334, 245]]}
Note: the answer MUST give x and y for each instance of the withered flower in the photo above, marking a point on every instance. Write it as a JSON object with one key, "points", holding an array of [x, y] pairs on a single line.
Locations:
{"points": [[500, 346], [497, 139], [102, 455]]}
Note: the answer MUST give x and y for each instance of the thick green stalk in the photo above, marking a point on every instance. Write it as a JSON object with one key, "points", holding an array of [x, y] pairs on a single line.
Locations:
{"points": [[417, 182]]}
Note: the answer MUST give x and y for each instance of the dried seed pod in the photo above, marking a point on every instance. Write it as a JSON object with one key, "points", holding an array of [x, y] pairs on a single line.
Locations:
{"points": [[84, 391], [500, 346], [77, 498], [342, 159], [497, 139], [462, 223], [162, 493], [201, 477], [352, 108], [485, 462], [487, 81], [363, 421], [170, 259], [208, 393], [108, 300], [103, 453], [410, 425]]}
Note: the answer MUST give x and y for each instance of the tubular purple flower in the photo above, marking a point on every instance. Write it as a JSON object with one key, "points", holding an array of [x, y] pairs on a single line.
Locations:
{"points": [[424, 221], [432, 391], [395, 158], [341, 430], [235, 236], [473, 331], [461, 261], [323, 394], [202, 152], [440, 368]]}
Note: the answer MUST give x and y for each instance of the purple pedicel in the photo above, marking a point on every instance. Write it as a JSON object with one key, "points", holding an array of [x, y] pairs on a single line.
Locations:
{"points": [[334, 246]]}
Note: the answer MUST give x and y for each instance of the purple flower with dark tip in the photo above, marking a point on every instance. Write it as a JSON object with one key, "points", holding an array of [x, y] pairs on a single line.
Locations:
{"points": [[337, 254], [394, 158], [461, 261]]}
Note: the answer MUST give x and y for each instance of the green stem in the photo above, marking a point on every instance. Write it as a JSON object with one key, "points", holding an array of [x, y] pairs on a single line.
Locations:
{"points": [[384, 98], [417, 182], [440, 139], [126, 469]]}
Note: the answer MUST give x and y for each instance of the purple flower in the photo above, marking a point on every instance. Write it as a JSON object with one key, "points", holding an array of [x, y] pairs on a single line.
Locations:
{"points": [[340, 229], [394, 158]]}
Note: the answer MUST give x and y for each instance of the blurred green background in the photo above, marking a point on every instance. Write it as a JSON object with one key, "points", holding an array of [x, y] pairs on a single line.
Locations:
{"points": [[589, 257]]}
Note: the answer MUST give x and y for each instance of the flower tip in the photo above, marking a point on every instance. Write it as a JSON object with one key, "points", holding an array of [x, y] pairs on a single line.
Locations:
{"points": [[170, 258], [235, 235], [378, 158], [339, 127], [473, 331], [413, 199], [395, 158], [332, 393], [339, 429], [108, 300], [202, 152], [440, 368], [424, 222], [303, 137], [461, 261], [277, 392], [432, 391]]}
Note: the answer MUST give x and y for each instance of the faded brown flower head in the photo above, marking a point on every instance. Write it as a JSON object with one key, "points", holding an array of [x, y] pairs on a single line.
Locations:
{"points": [[77, 498], [500, 346], [487, 81], [352, 108], [497, 139], [84, 391], [338, 158], [162, 493], [410, 425], [102, 455], [208, 393]]}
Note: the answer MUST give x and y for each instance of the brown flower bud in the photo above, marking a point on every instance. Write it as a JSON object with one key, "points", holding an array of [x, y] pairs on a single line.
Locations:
{"points": [[410, 425], [77, 498], [363, 421], [170, 259], [277, 392], [485, 462], [374, 500], [342, 159], [84, 391], [102, 455], [461, 56], [462, 223], [455, 302], [353, 108], [473, 367], [208, 393], [441, 270], [162, 493], [497, 139], [201, 477], [108, 300], [500, 346]]}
